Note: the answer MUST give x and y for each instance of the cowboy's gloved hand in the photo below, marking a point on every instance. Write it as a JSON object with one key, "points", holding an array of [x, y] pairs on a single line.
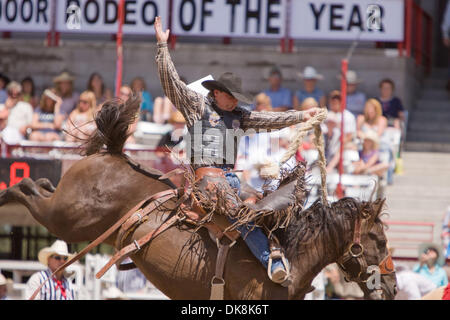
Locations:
{"points": [[161, 36], [308, 114]]}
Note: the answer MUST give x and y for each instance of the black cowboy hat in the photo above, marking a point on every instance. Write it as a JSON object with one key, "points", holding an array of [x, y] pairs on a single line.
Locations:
{"points": [[231, 84]]}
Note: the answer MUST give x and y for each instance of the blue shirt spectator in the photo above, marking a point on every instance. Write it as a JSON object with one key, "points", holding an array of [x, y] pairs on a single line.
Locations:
{"points": [[356, 102], [317, 94], [139, 87], [147, 102], [438, 276], [281, 98], [430, 261]]}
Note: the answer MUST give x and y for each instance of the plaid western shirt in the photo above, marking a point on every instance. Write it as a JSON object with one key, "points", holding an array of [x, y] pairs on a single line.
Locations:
{"points": [[192, 104]]}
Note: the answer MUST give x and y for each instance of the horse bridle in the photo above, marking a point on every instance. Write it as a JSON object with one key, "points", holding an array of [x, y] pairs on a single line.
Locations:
{"points": [[355, 251]]}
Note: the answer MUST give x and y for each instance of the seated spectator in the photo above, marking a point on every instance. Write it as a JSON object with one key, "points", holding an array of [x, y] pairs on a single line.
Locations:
{"points": [[307, 143], [65, 90], [369, 156], [445, 235], [355, 98], [332, 139], [15, 115], [29, 92], [4, 80], [349, 118], [281, 97], [263, 102], [411, 285], [125, 93], [332, 134], [309, 103], [80, 123], [392, 106], [97, 86], [431, 260], [138, 86], [372, 119], [47, 119], [310, 78], [163, 108]]}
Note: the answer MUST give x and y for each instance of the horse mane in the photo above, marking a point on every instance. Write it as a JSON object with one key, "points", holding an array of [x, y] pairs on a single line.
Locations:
{"points": [[112, 121], [320, 220]]}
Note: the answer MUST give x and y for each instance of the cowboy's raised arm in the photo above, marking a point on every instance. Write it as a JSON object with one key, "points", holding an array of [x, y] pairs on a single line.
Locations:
{"points": [[275, 120], [189, 102]]}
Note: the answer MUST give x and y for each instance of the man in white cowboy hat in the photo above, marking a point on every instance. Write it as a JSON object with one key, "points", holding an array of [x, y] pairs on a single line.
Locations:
{"points": [[64, 87], [210, 120], [355, 99], [310, 76], [431, 260], [58, 287]]}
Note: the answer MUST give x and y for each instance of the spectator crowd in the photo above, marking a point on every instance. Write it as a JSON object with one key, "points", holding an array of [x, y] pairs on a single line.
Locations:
{"points": [[60, 113]]}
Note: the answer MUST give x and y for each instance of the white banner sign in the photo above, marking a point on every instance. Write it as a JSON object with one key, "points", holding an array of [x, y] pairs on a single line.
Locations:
{"points": [[25, 15], [101, 16], [372, 20], [229, 18]]}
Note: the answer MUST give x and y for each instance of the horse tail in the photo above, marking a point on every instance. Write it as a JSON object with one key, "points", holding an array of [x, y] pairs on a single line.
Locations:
{"points": [[113, 121]]}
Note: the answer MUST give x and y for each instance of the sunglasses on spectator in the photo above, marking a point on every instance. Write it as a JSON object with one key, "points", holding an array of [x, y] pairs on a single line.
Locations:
{"points": [[59, 258], [84, 101]]}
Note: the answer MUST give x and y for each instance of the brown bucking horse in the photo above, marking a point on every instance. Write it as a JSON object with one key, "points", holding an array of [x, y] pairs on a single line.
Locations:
{"points": [[100, 188]]}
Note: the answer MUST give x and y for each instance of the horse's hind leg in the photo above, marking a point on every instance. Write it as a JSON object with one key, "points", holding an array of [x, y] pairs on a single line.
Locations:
{"points": [[31, 195]]}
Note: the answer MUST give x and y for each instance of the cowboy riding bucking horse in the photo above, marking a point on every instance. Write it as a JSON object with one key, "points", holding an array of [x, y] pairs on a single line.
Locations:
{"points": [[209, 119]]}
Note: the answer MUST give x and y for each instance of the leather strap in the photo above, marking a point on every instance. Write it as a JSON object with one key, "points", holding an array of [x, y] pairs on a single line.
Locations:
{"points": [[217, 282], [386, 266], [139, 215], [136, 245], [105, 235], [357, 231]]}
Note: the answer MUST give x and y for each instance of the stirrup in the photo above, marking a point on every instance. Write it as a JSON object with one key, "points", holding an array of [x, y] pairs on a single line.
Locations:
{"points": [[279, 275]]}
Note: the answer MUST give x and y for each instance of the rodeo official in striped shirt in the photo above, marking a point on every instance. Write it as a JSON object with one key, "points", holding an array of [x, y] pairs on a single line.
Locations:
{"points": [[58, 287]]}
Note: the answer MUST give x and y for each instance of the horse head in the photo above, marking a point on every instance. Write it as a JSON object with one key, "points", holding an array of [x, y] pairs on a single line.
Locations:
{"points": [[347, 232], [366, 259]]}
